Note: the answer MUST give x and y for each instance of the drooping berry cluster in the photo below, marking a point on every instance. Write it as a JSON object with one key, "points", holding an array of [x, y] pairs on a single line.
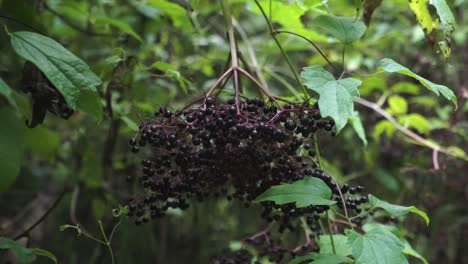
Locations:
{"points": [[236, 149]]}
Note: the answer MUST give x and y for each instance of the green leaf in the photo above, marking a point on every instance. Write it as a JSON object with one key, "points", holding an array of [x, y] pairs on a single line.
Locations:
{"points": [[316, 258], [408, 250], [378, 246], [417, 121], [11, 147], [24, 255], [330, 259], [397, 210], [124, 27], [6, 92], [356, 122], [445, 15], [69, 74], [345, 29], [398, 105], [336, 96], [308, 191], [389, 65], [341, 245], [44, 253]]}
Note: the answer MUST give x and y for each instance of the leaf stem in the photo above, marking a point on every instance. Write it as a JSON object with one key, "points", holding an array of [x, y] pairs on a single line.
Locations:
{"points": [[311, 43], [331, 233], [283, 52]]}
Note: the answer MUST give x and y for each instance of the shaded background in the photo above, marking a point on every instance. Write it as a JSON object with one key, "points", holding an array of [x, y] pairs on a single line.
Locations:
{"points": [[159, 52]]}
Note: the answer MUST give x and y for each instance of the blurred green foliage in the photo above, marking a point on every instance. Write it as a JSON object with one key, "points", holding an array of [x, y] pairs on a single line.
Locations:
{"points": [[162, 53]]}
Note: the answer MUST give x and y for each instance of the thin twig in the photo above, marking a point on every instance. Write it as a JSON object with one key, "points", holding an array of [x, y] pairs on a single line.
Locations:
{"points": [[40, 219], [311, 43], [422, 141], [283, 52]]}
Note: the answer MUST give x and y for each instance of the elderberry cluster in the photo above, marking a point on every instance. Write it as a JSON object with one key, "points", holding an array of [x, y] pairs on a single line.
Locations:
{"points": [[238, 149]]}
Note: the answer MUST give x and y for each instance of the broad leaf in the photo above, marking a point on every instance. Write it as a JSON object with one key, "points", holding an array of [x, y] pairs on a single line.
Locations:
{"points": [[336, 96], [11, 147], [378, 246], [342, 247], [308, 191], [69, 74], [396, 210], [356, 122], [389, 65], [345, 29], [6, 92], [446, 17]]}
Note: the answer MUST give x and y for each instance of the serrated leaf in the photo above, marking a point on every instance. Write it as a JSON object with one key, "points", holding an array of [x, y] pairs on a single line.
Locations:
{"points": [[342, 247], [345, 29], [336, 96], [305, 192], [396, 210], [124, 27], [378, 246], [69, 74], [11, 147], [356, 122], [389, 65], [398, 105], [5, 91], [24, 255], [44, 253]]}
